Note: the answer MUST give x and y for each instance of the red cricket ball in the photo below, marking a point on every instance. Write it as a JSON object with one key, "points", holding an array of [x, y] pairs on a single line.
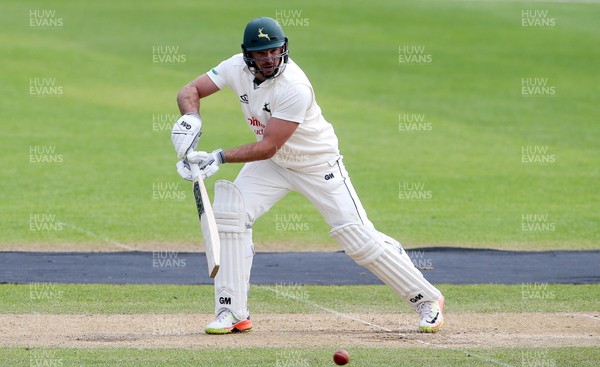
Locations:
{"points": [[341, 357]]}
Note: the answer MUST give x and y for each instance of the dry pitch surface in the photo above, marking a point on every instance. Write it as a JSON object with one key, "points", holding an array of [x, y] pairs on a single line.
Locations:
{"points": [[462, 330]]}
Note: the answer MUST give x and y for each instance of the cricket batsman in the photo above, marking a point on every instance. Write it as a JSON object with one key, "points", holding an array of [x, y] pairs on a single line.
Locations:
{"points": [[296, 149]]}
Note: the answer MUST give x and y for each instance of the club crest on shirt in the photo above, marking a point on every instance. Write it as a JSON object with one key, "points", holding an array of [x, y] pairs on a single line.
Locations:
{"points": [[266, 108]]}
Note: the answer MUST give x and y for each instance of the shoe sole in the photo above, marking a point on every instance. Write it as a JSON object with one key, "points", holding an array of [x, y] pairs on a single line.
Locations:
{"points": [[427, 329], [241, 327]]}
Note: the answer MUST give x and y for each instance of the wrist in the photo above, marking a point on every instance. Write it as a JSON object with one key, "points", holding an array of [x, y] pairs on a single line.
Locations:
{"points": [[193, 114], [220, 155]]}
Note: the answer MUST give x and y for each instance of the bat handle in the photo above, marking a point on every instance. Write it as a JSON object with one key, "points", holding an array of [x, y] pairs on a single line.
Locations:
{"points": [[194, 167], [195, 170]]}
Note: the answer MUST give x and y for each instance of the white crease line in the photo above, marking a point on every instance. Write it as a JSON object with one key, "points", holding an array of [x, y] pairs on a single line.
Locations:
{"points": [[92, 234], [339, 314], [585, 315], [332, 311]]}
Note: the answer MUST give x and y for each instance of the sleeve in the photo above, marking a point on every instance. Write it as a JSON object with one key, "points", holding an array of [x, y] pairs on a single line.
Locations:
{"points": [[218, 74], [292, 104]]}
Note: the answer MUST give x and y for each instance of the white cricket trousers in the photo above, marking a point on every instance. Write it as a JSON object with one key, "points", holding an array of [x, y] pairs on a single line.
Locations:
{"points": [[327, 186]]}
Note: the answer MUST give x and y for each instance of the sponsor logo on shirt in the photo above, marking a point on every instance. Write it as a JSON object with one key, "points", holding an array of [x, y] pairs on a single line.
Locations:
{"points": [[256, 125], [244, 98]]}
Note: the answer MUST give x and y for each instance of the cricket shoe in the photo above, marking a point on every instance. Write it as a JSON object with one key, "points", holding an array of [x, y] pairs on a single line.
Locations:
{"points": [[226, 323], [432, 318]]}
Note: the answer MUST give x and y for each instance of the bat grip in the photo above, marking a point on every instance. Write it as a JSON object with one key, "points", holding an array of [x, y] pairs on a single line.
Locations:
{"points": [[194, 167]]}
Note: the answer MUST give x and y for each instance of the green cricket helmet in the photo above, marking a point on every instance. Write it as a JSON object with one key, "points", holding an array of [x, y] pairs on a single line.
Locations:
{"points": [[264, 34]]}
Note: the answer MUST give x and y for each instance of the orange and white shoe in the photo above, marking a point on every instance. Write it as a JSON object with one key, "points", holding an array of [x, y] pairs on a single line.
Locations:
{"points": [[432, 318], [226, 323]]}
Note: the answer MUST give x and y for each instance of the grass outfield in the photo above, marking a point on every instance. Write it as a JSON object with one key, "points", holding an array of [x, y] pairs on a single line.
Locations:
{"points": [[132, 299], [89, 159], [367, 357]]}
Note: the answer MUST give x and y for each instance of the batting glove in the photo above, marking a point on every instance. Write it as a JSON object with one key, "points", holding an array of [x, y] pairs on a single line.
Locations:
{"points": [[183, 168], [186, 133], [204, 159], [208, 162], [209, 170]]}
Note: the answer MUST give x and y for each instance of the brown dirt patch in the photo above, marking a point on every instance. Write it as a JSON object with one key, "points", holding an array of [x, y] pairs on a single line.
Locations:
{"points": [[462, 330]]}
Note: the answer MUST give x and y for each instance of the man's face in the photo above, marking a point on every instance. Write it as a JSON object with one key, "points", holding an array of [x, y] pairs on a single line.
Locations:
{"points": [[267, 62]]}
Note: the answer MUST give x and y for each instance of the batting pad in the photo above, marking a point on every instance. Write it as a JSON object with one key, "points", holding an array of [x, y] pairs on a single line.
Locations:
{"points": [[385, 258], [231, 285]]}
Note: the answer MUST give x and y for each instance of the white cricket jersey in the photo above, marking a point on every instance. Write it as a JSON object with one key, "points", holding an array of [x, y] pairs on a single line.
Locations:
{"points": [[290, 97]]}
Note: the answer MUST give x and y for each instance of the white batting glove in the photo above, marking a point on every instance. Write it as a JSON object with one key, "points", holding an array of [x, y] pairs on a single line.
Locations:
{"points": [[183, 168], [186, 133], [204, 159], [209, 170], [208, 162]]}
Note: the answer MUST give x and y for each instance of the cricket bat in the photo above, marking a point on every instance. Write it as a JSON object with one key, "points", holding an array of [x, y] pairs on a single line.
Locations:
{"points": [[212, 243]]}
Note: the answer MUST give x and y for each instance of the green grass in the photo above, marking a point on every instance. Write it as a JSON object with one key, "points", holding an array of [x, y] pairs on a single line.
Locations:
{"points": [[289, 298], [109, 127], [574, 357]]}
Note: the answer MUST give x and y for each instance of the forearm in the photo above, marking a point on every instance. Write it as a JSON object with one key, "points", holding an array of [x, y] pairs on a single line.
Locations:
{"points": [[275, 136], [250, 152], [188, 100]]}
